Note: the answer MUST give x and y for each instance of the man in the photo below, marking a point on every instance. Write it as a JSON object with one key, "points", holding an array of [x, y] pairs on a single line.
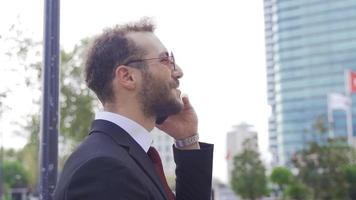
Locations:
{"points": [[136, 79]]}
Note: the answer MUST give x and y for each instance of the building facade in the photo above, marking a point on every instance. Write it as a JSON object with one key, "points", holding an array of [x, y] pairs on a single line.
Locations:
{"points": [[221, 191], [235, 143], [309, 45]]}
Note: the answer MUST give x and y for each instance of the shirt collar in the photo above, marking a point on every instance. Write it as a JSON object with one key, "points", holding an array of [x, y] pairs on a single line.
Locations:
{"points": [[143, 137]]}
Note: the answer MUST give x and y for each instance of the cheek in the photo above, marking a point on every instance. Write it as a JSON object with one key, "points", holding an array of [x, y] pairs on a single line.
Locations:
{"points": [[161, 88], [164, 72], [159, 80], [162, 81]]}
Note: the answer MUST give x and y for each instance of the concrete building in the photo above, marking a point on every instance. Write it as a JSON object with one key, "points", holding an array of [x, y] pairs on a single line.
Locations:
{"points": [[235, 143]]}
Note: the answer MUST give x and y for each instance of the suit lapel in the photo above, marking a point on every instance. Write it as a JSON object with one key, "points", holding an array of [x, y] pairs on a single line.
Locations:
{"points": [[122, 138]]}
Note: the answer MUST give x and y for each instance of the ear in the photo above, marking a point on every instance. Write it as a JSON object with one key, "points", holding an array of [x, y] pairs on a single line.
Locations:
{"points": [[126, 77]]}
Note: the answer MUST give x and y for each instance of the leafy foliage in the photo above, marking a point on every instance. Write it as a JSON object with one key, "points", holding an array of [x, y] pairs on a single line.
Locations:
{"points": [[29, 153], [321, 168], [15, 175], [297, 191], [282, 176], [350, 175], [248, 176], [76, 101]]}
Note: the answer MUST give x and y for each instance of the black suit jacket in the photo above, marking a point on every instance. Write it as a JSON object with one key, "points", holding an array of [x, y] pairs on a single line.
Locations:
{"points": [[109, 164]]}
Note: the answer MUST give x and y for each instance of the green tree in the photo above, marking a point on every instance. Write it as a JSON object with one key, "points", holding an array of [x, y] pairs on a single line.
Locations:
{"points": [[76, 101], [2, 96], [290, 187], [29, 153], [350, 175], [15, 175], [281, 176], [76, 112], [321, 168], [248, 175], [297, 191]]}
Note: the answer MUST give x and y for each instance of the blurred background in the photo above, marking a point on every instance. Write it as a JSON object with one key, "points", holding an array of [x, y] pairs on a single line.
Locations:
{"points": [[272, 82]]}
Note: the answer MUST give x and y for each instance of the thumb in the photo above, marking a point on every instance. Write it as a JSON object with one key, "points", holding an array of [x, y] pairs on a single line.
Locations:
{"points": [[186, 102]]}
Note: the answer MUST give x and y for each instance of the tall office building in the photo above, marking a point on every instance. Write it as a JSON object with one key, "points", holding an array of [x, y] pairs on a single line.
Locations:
{"points": [[235, 143], [309, 44]]}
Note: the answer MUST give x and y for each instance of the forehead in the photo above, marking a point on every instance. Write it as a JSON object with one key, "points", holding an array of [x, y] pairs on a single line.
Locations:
{"points": [[148, 41]]}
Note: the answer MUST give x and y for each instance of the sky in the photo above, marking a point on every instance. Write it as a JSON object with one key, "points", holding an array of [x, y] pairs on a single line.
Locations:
{"points": [[219, 44]]}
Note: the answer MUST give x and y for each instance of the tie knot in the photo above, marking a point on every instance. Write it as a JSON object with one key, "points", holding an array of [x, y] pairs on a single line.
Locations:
{"points": [[154, 155]]}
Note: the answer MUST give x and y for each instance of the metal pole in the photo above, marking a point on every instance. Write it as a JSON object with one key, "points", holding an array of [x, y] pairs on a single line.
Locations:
{"points": [[1, 167], [349, 110], [349, 125], [50, 93], [330, 117], [2, 189]]}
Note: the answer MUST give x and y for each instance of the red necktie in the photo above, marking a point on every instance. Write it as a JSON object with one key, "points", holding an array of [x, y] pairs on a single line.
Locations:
{"points": [[156, 160]]}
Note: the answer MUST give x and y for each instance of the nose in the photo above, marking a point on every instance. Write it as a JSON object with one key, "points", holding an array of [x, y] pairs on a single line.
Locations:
{"points": [[177, 73]]}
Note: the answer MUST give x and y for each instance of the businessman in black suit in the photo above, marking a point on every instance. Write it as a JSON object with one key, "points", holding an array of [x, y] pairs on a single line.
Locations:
{"points": [[136, 79]]}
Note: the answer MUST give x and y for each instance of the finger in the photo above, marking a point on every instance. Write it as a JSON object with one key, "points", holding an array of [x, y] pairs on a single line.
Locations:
{"points": [[186, 102]]}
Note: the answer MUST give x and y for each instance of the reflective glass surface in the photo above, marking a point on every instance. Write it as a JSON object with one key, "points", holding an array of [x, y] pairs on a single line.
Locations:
{"points": [[310, 44]]}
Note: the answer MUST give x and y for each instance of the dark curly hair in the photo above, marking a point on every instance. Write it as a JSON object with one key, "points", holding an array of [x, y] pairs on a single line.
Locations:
{"points": [[109, 50]]}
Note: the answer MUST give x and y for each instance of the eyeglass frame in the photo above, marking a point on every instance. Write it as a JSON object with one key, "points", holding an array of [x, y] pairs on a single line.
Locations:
{"points": [[170, 58]]}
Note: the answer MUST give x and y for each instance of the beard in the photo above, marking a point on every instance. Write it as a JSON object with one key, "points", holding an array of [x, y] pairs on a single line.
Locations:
{"points": [[157, 98]]}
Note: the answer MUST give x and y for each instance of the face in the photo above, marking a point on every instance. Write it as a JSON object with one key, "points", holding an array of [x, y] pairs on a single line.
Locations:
{"points": [[159, 97], [159, 94]]}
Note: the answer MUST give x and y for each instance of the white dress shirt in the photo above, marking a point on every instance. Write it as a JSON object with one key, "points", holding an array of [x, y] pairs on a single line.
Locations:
{"points": [[136, 131]]}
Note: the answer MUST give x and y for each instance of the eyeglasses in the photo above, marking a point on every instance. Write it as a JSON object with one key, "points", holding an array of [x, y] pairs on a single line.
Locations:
{"points": [[166, 60]]}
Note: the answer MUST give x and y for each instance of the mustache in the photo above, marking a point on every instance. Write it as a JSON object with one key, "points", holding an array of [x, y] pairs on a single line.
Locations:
{"points": [[175, 84]]}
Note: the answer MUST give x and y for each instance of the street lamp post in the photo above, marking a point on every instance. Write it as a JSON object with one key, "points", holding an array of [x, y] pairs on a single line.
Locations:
{"points": [[50, 93], [2, 190], [1, 170], [1, 167]]}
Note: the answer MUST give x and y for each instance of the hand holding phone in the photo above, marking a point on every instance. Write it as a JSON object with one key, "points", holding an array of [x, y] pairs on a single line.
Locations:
{"points": [[181, 125]]}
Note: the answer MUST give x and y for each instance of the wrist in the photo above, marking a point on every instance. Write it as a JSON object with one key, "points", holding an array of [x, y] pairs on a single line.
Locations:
{"points": [[194, 146], [191, 142]]}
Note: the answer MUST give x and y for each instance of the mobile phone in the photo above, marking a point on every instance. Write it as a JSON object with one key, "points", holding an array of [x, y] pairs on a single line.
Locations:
{"points": [[160, 120]]}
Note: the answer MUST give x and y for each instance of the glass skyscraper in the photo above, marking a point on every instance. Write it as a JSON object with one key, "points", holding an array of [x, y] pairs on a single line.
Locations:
{"points": [[309, 45]]}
